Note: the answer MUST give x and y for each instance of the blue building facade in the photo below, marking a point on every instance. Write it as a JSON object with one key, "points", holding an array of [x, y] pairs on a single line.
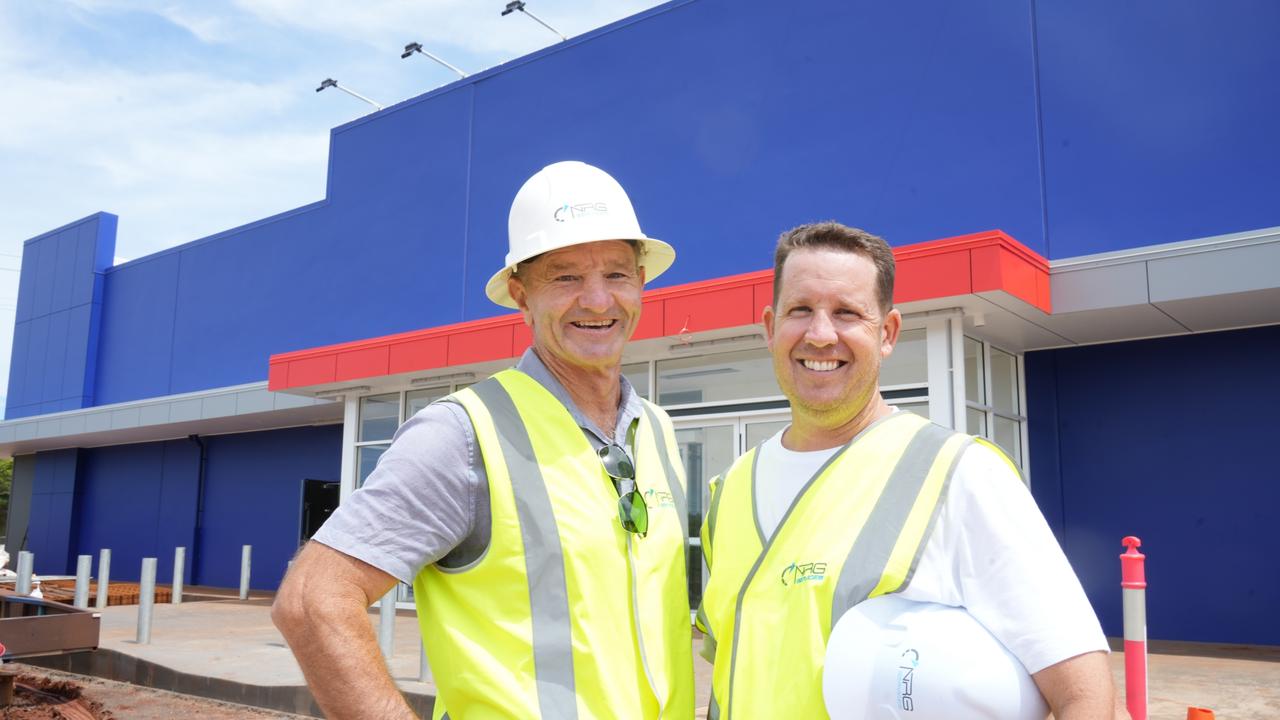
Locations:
{"points": [[1131, 149]]}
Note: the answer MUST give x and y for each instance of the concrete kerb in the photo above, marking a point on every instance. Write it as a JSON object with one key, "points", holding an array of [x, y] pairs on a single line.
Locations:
{"points": [[224, 650]]}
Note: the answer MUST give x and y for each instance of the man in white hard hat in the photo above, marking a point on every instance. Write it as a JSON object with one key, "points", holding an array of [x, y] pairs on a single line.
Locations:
{"points": [[545, 585], [854, 500]]}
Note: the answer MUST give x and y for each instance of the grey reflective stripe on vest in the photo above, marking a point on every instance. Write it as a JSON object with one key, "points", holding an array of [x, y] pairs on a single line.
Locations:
{"points": [[673, 479], [714, 511], [713, 712], [870, 552], [543, 557]]}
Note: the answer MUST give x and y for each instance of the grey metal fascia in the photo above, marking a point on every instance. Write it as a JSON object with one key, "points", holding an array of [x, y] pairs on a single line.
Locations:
{"points": [[251, 398]]}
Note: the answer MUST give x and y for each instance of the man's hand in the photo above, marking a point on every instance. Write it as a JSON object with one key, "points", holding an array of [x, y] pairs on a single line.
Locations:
{"points": [[1080, 688], [321, 609]]}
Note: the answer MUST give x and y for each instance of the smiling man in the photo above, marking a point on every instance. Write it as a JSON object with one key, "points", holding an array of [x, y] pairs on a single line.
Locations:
{"points": [[854, 500], [546, 587]]}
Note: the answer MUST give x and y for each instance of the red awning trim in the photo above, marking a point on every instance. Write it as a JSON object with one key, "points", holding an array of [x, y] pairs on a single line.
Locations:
{"points": [[968, 264]]}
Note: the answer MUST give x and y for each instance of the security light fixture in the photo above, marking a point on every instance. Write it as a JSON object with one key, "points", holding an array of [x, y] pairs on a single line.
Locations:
{"points": [[443, 379], [414, 47], [515, 5], [336, 393], [331, 83], [753, 340]]}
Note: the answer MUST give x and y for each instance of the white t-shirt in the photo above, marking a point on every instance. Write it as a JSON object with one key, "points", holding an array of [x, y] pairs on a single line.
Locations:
{"points": [[991, 552]]}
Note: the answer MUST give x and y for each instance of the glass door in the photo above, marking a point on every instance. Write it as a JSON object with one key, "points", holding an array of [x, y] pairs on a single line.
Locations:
{"points": [[708, 446]]}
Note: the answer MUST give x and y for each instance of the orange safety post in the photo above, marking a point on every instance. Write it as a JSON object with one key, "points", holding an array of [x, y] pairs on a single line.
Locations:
{"points": [[1133, 580]]}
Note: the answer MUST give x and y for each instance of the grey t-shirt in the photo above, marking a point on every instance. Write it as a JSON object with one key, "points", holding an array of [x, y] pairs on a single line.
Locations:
{"points": [[427, 501]]}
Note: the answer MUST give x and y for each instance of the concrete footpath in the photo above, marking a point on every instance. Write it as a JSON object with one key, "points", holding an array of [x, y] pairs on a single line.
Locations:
{"points": [[228, 650]]}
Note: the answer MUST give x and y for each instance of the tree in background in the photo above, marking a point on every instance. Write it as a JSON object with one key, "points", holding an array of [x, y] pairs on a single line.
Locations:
{"points": [[6, 482]]}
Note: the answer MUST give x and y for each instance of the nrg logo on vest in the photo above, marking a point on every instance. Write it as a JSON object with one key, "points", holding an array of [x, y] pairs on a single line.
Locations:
{"points": [[658, 499], [798, 573]]}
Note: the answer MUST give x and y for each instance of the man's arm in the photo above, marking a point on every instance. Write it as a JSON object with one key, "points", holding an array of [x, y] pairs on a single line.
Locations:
{"points": [[321, 609], [1080, 687]]}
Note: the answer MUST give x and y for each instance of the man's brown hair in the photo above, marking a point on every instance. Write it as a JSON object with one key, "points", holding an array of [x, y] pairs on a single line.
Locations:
{"points": [[835, 236]]}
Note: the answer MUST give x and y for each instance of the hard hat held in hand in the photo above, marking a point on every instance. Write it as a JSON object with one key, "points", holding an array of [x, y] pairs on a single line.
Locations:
{"points": [[571, 203], [895, 659]]}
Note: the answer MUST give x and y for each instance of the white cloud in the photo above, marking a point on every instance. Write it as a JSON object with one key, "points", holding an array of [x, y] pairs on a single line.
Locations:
{"points": [[216, 124]]}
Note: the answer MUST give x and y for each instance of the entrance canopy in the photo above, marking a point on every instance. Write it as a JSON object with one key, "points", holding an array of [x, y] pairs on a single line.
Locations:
{"points": [[992, 278]]}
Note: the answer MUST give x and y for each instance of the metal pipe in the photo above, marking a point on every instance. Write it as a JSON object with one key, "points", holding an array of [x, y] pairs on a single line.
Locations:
{"points": [[179, 571], [537, 19], [26, 563], [1134, 595], [198, 529], [146, 600], [84, 566], [104, 578], [387, 621], [246, 553]]}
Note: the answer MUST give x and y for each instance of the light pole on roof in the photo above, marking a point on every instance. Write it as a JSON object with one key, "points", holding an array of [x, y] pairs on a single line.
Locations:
{"points": [[515, 5], [331, 83], [415, 47]]}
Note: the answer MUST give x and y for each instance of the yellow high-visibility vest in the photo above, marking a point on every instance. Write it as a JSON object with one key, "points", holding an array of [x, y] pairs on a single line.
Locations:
{"points": [[566, 614], [855, 531]]}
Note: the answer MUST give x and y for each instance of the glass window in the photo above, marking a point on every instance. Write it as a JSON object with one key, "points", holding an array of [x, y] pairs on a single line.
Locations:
{"points": [[919, 408], [1004, 382], [909, 363], [758, 432], [1008, 436], [368, 460], [724, 377], [974, 373], [379, 416], [977, 420], [638, 375], [415, 400]]}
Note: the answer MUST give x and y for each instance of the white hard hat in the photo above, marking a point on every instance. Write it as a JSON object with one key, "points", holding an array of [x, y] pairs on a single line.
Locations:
{"points": [[895, 659], [571, 203]]}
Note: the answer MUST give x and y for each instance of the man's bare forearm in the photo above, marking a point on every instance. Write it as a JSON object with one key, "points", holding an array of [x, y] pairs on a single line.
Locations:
{"points": [[322, 611], [1080, 688]]}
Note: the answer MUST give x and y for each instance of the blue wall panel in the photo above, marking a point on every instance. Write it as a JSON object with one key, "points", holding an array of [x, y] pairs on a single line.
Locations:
{"points": [[253, 496], [177, 505], [53, 525], [135, 351], [55, 358], [64, 275], [58, 306], [139, 501], [1167, 444], [37, 350], [1159, 120], [46, 252], [119, 508], [18, 365]]}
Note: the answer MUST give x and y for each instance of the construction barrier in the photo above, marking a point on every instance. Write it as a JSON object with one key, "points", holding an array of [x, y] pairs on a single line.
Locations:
{"points": [[1133, 580]]}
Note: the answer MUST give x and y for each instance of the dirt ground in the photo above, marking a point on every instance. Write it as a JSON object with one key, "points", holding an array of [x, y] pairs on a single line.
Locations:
{"points": [[110, 700]]}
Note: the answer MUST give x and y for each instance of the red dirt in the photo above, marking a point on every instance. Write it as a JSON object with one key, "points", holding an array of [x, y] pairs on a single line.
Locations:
{"points": [[42, 698], [117, 701]]}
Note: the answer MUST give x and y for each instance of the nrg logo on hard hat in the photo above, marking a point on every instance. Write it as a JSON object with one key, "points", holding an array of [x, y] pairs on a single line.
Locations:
{"points": [[568, 212], [797, 573], [906, 678]]}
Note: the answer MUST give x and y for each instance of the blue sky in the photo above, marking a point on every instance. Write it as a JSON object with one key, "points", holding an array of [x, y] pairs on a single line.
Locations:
{"points": [[189, 118]]}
